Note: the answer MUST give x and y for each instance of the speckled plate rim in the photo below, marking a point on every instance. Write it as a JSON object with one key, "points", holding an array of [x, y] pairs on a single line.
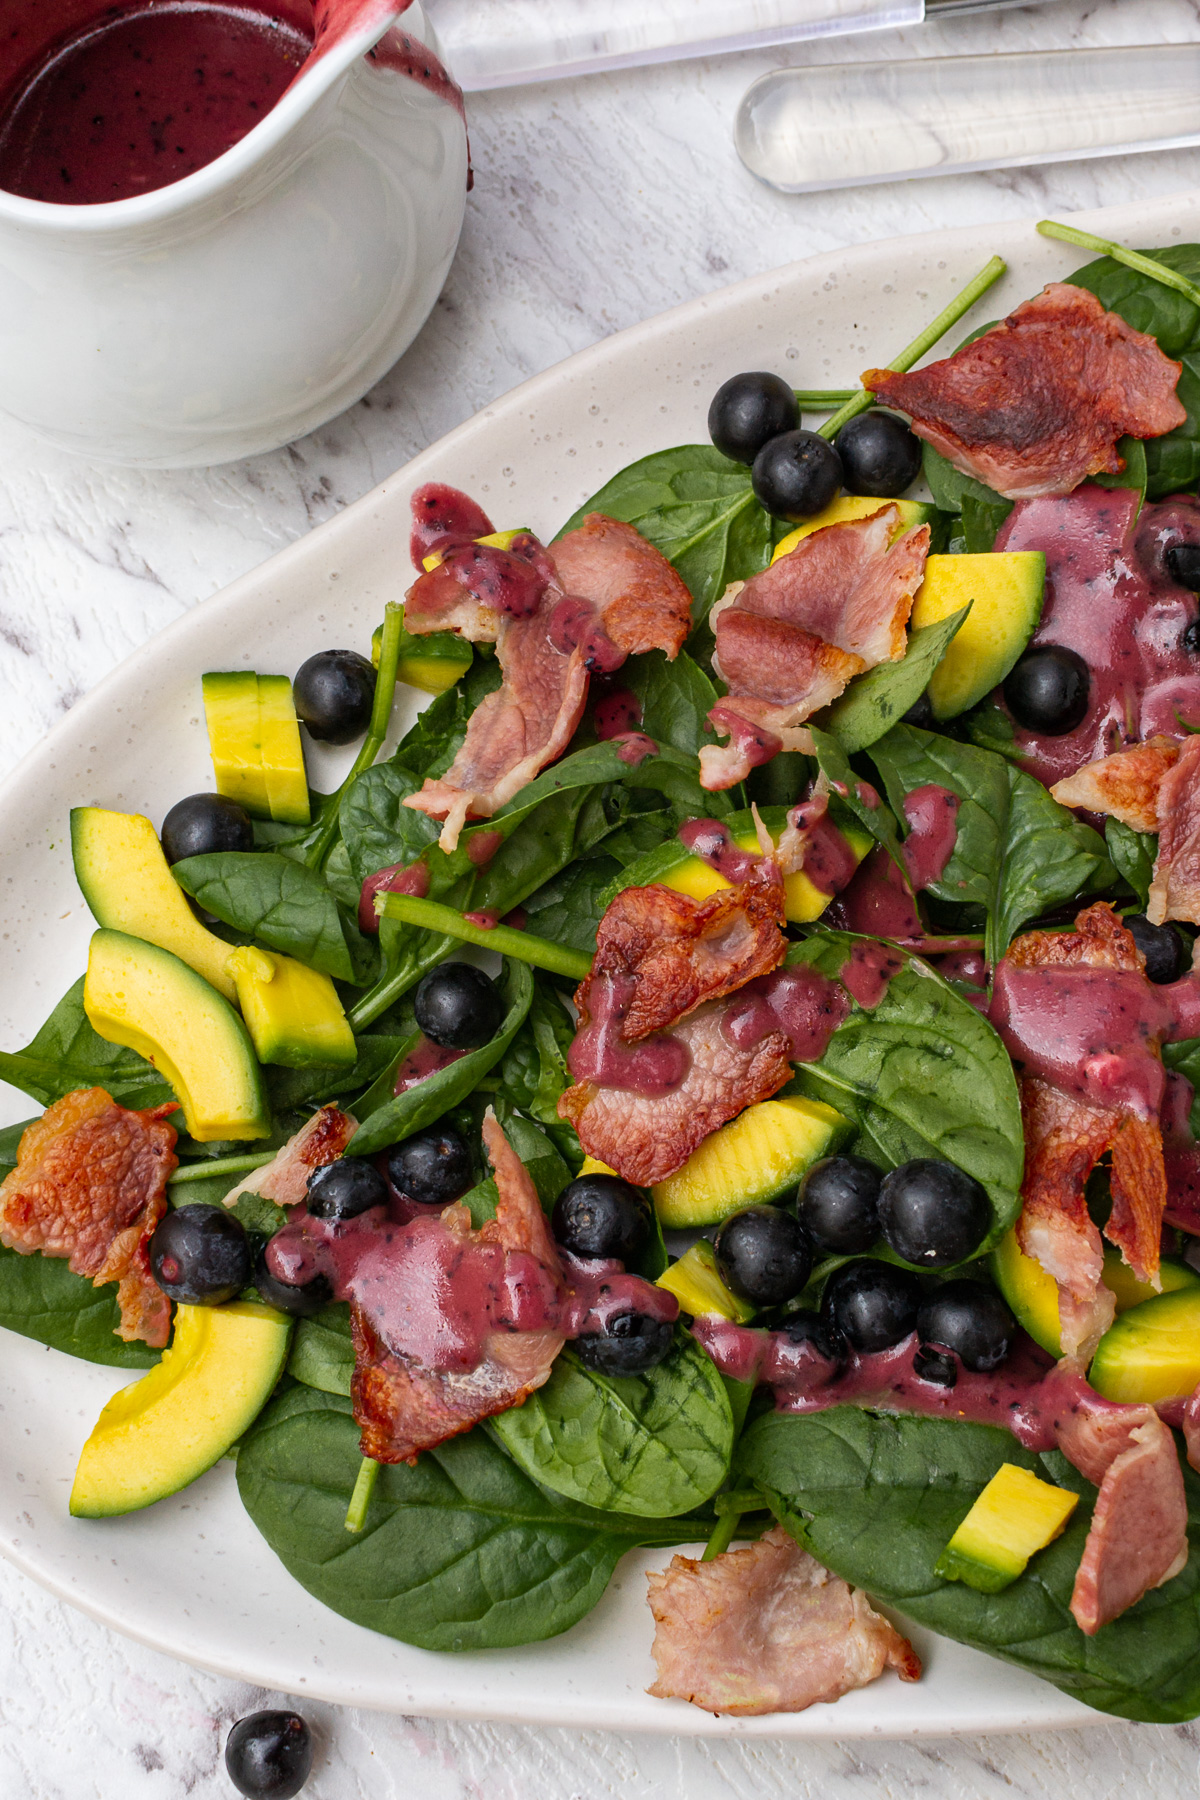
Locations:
{"points": [[191, 1576]]}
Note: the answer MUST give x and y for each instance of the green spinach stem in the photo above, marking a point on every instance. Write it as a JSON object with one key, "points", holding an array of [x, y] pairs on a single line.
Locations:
{"points": [[912, 353], [820, 398], [221, 1165], [431, 915], [360, 1499], [1132, 259], [723, 1534], [381, 712]]}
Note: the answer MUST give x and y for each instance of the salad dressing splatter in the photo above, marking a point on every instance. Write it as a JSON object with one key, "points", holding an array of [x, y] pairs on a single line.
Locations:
{"points": [[806, 1006], [617, 713], [932, 816], [654, 1067], [400, 878], [710, 841], [426, 1058]]}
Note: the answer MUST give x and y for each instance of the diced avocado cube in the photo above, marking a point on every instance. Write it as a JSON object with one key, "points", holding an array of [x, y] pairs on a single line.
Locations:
{"points": [[696, 1283], [848, 507], [1152, 1352], [282, 752], [756, 1157], [1004, 590], [1016, 1515], [292, 1013]]}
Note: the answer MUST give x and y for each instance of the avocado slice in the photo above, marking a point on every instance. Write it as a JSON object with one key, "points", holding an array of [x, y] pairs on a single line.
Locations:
{"points": [[1004, 590], [848, 507], [1151, 1352], [756, 1157], [1033, 1295], [139, 995], [159, 1434], [1014, 1516], [696, 1283], [292, 1013], [432, 663], [254, 737], [127, 883]]}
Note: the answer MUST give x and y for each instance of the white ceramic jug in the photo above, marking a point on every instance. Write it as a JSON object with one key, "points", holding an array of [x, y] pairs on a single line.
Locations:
{"points": [[251, 301]]}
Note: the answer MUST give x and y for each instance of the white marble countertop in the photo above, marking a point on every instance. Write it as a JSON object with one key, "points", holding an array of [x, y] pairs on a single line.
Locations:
{"points": [[596, 204]]}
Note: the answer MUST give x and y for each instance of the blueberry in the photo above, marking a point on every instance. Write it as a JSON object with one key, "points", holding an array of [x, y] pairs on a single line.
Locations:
{"points": [[747, 411], [810, 1328], [764, 1255], [341, 1190], [268, 1756], [1161, 946], [1190, 640], [284, 1296], [1047, 690], [204, 823], [880, 454], [920, 713], [1183, 565], [839, 1204], [630, 1344], [334, 692], [932, 1213], [797, 475], [457, 1006], [200, 1255], [935, 1366], [970, 1319], [433, 1168], [873, 1305], [601, 1215]]}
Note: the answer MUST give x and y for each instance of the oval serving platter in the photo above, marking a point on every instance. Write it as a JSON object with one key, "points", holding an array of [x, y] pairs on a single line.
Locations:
{"points": [[191, 1576]]}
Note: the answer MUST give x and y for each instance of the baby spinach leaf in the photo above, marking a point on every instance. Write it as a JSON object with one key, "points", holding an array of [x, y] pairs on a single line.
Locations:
{"points": [[874, 702], [950, 487], [700, 511], [279, 902], [675, 697], [568, 908], [1184, 1058], [398, 1117], [922, 1074], [462, 1552], [288, 1089], [1136, 472], [856, 796], [322, 1355], [656, 1444], [1018, 852], [1133, 854], [981, 521], [43, 1300], [534, 1070], [377, 828], [67, 1054], [876, 1499]]}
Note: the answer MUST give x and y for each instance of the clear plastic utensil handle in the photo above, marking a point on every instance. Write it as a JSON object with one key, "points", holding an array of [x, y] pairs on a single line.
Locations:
{"points": [[811, 128]]}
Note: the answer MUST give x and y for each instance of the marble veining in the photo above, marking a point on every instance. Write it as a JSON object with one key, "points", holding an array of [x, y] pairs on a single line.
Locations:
{"points": [[597, 203]]}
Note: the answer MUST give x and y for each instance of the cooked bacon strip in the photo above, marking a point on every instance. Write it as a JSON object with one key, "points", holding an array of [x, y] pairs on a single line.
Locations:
{"points": [[676, 952], [1175, 889], [91, 1185], [1037, 403], [765, 1630], [789, 639], [644, 603], [322, 1139], [1125, 785], [403, 1407], [1191, 1429]]}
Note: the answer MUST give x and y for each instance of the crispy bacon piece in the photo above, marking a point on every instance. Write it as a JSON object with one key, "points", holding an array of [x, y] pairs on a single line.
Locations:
{"points": [[643, 601], [403, 1407], [765, 1630], [91, 1184], [1175, 889], [645, 1138], [1191, 1429], [322, 1139], [1037, 403], [789, 639], [1125, 785]]}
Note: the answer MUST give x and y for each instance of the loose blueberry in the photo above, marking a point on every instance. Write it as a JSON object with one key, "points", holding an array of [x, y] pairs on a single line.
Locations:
{"points": [[268, 1756], [341, 1190], [920, 713], [810, 1328], [1183, 564], [880, 455], [797, 475], [935, 1366], [631, 1343], [764, 1255], [749, 410], [932, 1213], [334, 692], [601, 1215], [204, 823], [839, 1204], [200, 1255], [457, 1006], [301, 1302], [873, 1305], [1161, 946], [970, 1319], [1047, 690], [433, 1168]]}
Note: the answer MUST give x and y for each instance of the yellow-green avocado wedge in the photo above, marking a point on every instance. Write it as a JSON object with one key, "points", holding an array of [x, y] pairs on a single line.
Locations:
{"points": [[849, 507], [159, 1434], [141, 996], [127, 882], [1014, 1516], [292, 1013], [254, 736], [756, 1157], [1033, 1295], [1152, 1352], [1004, 590]]}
